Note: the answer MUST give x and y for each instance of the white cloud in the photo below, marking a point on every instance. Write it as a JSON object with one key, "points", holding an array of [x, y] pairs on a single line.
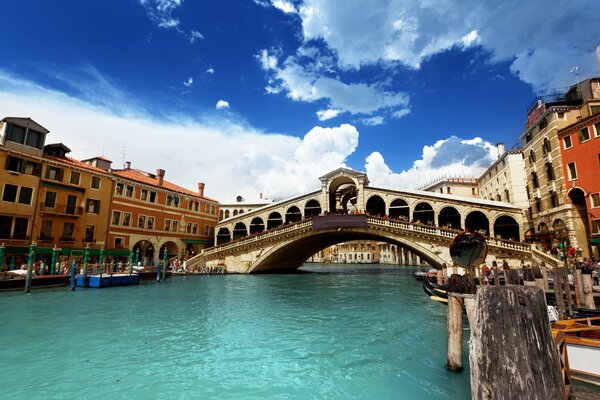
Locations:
{"points": [[221, 104], [195, 35], [159, 12], [330, 113], [210, 71], [189, 82], [302, 84], [285, 6], [250, 161], [538, 41], [449, 157], [169, 23], [373, 121]]}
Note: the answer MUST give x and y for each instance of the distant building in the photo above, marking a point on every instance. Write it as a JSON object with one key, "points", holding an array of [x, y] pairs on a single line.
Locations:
{"points": [[551, 213], [241, 205], [358, 252], [466, 187], [505, 179]]}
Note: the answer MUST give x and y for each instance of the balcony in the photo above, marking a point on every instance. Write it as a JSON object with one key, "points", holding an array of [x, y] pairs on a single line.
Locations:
{"points": [[14, 237], [62, 209]]}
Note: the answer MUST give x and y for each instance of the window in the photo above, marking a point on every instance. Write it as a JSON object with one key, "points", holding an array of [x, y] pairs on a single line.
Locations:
{"points": [[67, 233], [554, 199], [56, 174], [20, 229], [195, 229], [25, 195], [119, 242], [196, 206], [129, 191], [126, 219], [534, 181], [144, 194], [567, 144], [116, 218], [448, 190], [92, 206], [572, 171], [546, 146], [206, 230], [175, 226], [46, 230], [474, 191], [152, 197], [595, 110], [89, 233], [141, 221], [75, 178], [596, 226], [50, 200], [95, 182], [16, 134], [119, 189], [5, 225], [32, 168], [34, 138], [531, 157], [150, 223], [550, 172], [543, 124], [584, 135], [10, 193], [189, 227], [595, 199], [538, 205], [167, 224], [13, 164], [71, 204], [169, 200], [597, 129]]}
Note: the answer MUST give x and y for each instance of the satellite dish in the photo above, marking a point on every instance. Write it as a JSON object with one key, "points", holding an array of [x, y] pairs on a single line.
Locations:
{"points": [[468, 249]]}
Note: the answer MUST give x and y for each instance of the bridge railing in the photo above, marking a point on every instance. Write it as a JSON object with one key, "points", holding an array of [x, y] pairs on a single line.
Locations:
{"points": [[540, 256]]}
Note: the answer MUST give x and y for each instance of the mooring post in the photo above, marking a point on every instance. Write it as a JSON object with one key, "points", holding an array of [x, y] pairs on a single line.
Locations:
{"points": [[588, 293], [558, 292], [545, 275], [455, 338], [529, 277], [511, 346], [578, 285], [568, 296]]}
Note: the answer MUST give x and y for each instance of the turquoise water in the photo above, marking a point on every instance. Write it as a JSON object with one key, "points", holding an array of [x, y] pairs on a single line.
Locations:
{"points": [[343, 333]]}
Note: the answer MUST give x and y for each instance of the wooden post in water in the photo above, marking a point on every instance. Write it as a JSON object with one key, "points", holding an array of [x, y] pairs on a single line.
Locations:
{"points": [[539, 278], [457, 286], [588, 293], [511, 346], [558, 292], [578, 285], [529, 277], [545, 275], [568, 296]]}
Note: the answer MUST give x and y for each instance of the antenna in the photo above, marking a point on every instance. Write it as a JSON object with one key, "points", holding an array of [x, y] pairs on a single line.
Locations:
{"points": [[123, 155]]}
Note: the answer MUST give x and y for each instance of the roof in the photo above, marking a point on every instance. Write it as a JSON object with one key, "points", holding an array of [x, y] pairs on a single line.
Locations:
{"points": [[25, 121], [75, 163], [97, 158], [61, 146], [152, 180]]}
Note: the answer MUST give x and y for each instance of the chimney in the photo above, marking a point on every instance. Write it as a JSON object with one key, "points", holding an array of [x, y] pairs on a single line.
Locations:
{"points": [[127, 164], [201, 189], [261, 196], [160, 175], [500, 147]]}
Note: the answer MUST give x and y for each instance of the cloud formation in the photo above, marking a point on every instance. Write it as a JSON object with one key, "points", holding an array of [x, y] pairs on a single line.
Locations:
{"points": [[189, 82], [221, 104], [160, 12]]}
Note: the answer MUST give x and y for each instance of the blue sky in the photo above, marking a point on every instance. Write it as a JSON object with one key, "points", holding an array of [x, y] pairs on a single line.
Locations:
{"points": [[255, 96]]}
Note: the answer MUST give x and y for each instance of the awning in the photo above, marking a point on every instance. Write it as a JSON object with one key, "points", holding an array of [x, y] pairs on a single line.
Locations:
{"points": [[196, 241], [122, 253], [595, 241]]}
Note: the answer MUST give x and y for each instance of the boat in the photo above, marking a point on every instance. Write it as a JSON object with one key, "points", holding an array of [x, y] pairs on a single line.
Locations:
{"points": [[109, 280], [431, 274], [15, 280], [435, 291], [582, 338]]}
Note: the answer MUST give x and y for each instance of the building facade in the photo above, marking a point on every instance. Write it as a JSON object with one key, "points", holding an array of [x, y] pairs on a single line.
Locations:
{"points": [[552, 217], [466, 187]]}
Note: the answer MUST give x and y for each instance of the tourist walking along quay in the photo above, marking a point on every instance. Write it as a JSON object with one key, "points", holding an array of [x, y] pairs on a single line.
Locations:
{"points": [[300, 199]]}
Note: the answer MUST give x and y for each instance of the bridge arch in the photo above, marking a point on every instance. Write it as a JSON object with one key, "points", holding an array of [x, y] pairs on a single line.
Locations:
{"points": [[339, 191], [449, 217], [239, 230], [423, 213], [223, 236], [292, 215], [312, 208], [375, 206], [257, 225], [506, 227], [399, 209], [477, 221], [274, 220], [293, 252]]}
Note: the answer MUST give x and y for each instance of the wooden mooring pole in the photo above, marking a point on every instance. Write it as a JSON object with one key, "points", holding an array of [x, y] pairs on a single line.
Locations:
{"points": [[588, 293], [458, 286], [512, 353]]}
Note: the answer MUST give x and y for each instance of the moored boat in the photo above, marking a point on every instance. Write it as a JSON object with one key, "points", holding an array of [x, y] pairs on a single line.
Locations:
{"points": [[435, 291], [14, 281]]}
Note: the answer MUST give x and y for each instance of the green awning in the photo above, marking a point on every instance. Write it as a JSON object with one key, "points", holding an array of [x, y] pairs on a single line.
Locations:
{"points": [[17, 250], [595, 241], [196, 241], [123, 253], [65, 187]]}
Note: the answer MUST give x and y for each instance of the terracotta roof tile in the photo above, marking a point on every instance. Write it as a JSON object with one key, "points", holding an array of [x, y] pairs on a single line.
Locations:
{"points": [[75, 163]]}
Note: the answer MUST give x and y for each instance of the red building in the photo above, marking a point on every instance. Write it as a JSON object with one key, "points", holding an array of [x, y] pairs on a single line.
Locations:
{"points": [[580, 151]]}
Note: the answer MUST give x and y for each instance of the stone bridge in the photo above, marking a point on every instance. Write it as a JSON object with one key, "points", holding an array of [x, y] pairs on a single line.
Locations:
{"points": [[282, 235]]}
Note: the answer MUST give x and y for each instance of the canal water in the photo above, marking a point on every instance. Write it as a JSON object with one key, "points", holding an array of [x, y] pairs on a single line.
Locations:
{"points": [[343, 332]]}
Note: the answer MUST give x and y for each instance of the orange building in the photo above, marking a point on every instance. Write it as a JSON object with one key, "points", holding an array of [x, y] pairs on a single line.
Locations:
{"points": [[580, 150], [150, 214]]}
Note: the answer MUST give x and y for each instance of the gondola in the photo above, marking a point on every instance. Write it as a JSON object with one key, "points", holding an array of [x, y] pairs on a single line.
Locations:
{"points": [[435, 292]]}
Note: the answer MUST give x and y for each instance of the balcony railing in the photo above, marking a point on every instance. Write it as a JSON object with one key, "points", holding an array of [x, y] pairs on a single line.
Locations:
{"points": [[15, 236], [45, 238], [67, 239], [62, 209]]}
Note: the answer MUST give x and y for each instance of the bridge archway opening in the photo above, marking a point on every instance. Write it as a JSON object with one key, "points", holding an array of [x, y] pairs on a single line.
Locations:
{"points": [[449, 217], [235, 212], [399, 210], [476, 221], [256, 225], [172, 250], [274, 220], [542, 227], [349, 201], [424, 214], [292, 215], [239, 230], [338, 189], [223, 236], [506, 227], [375, 206], [312, 208]]}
